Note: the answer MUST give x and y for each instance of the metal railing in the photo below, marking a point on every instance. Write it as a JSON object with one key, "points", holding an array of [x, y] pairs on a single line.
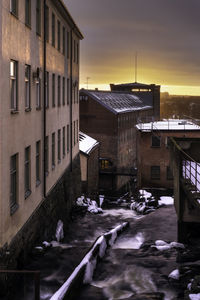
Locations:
{"points": [[191, 171]]}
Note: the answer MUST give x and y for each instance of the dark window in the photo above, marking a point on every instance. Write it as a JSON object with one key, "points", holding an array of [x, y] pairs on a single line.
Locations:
{"points": [[59, 154], [28, 12], [155, 141], [77, 131], [27, 87], [67, 138], [14, 85], [38, 93], [27, 172], [47, 23], [63, 41], [169, 173], [63, 142], [63, 91], [53, 30], [155, 172], [47, 90], [53, 151], [46, 154], [38, 17], [77, 53], [74, 51], [74, 133], [14, 7], [37, 162], [58, 24], [58, 90], [13, 183], [53, 90], [68, 91], [67, 44]]}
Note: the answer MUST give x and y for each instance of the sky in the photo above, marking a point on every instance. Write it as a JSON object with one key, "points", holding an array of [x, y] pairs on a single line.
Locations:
{"points": [[165, 34]]}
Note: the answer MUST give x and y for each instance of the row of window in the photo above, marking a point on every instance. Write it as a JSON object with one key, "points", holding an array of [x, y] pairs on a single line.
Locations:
{"points": [[155, 173], [55, 38], [14, 164], [58, 82]]}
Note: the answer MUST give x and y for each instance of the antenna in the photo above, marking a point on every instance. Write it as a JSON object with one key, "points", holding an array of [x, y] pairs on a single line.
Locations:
{"points": [[136, 55], [87, 81]]}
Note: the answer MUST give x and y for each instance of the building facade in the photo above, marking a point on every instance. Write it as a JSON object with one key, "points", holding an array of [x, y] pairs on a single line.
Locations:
{"points": [[39, 115], [109, 117], [153, 156]]}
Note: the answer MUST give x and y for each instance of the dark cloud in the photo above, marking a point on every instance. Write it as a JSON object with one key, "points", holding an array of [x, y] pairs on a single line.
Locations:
{"points": [[165, 33]]}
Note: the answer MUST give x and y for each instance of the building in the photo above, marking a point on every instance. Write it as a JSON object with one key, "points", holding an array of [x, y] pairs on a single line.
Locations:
{"points": [[39, 121], [153, 157], [185, 162], [89, 160], [142, 90], [109, 117]]}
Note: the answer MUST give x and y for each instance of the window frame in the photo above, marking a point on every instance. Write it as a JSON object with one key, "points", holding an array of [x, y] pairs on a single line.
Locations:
{"points": [[14, 183], [53, 30], [53, 90], [58, 35], [53, 148], [38, 17], [38, 163], [28, 13], [14, 86], [155, 172], [154, 141], [63, 91], [27, 87], [27, 172], [14, 7], [63, 132], [59, 145]]}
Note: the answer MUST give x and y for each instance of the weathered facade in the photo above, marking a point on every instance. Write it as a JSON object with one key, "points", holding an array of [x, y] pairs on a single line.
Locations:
{"points": [[109, 117], [39, 120], [153, 157], [89, 159]]}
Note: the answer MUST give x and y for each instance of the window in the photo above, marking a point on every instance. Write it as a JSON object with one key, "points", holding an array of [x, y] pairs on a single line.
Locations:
{"points": [[105, 163], [38, 93], [13, 84], [68, 91], [47, 90], [169, 173], [59, 154], [46, 155], [67, 138], [63, 49], [155, 141], [47, 23], [67, 44], [38, 17], [14, 7], [53, 151], [63, 142], [74, 133], [155, 172], [37, 162], [13, 183], [58, 90], [27, 172], [77, 132], [53, 30], [27, 87], [63, 91], [58, 24], [77, 53], [28, 12], [53, 90], [74, 51]]}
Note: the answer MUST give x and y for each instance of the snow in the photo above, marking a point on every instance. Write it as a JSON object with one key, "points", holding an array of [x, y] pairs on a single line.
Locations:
{"points": [[86, 143], [166, 200], [90, 267], [130, 243], [171, 124], [101, 199], [59, 231], [145, 194], [91, 204], [46, 244], [162, 245], [194, 296], [174, 274]]}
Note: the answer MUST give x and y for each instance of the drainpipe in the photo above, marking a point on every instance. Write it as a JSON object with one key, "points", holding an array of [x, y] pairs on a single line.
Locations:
{"points": [[44, 98], [71, 100]]}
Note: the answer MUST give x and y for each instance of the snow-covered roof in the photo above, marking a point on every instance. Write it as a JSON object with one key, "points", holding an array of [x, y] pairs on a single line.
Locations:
{"points": [[120, 102], [171, 124], [86, 143]]}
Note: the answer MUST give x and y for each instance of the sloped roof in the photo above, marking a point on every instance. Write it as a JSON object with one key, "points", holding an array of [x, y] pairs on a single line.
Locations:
{"points": [[86, 143], [132, 84], [120, 102]]}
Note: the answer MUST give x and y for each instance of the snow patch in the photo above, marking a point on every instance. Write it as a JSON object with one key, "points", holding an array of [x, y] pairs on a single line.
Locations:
{"points": [[162, 245], [166, 200], [194, 296], [174, 274], [59, 231], [90, 267]]}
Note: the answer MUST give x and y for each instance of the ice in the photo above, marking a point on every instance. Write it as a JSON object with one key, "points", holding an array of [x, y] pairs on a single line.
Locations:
{"points": [[90, 267], [130, 243], [101, 199], [194, 296], [166, 200], [177, 245], [175, 275], [162, 245], [162, 248], [59, 231]]}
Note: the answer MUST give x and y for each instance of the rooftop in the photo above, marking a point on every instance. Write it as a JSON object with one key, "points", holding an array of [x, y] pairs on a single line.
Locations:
{"points": [[170, 124], [120, 102], [86, 143]]}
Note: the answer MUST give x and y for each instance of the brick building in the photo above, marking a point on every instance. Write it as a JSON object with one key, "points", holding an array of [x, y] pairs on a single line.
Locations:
{"points": [[109, 117], [39, 121], [89, 160], [153, 157]]}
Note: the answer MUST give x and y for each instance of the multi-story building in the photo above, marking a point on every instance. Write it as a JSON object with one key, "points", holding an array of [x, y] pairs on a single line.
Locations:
{"points": [[110, 118], [39, 119], [153, 156]]}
